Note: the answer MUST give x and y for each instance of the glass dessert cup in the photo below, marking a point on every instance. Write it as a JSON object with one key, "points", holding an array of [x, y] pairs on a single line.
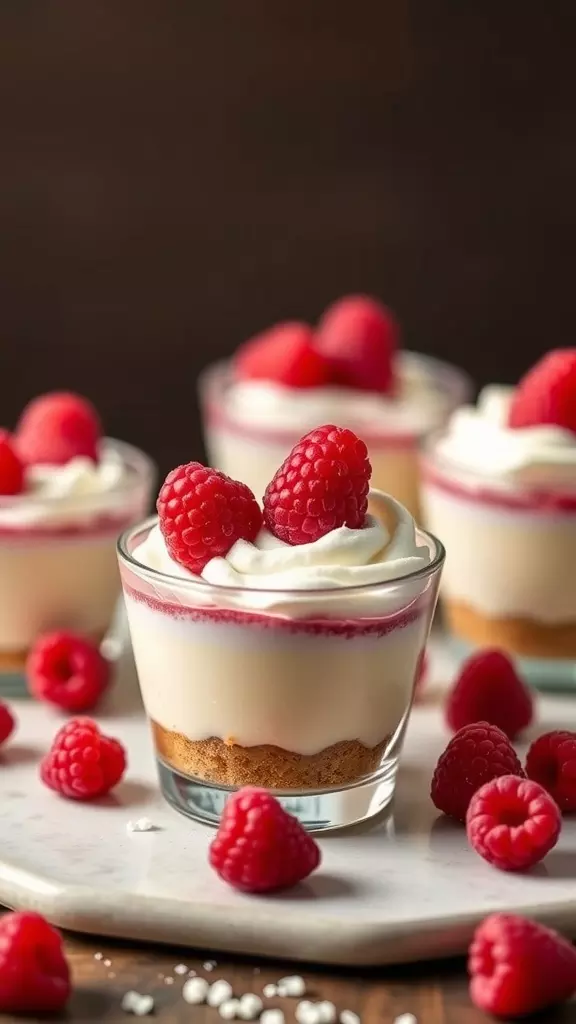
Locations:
{"points": [[507, 582], [312, 708], [58, 566], [252, 452]]}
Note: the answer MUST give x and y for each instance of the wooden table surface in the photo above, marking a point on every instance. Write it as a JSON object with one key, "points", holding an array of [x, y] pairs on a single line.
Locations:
{"points": [[103, 971]]}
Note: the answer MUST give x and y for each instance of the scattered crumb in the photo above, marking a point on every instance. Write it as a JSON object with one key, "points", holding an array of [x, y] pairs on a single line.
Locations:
{"points": [[228, 1009], [195, 991], [180, 969], [160, 975], [191, 974], [307, 1012], [209, 965], [348, 1017], [250, 1006], [168, 981], [294, 986], [406, 1018], [98, 956], [257, 970], [107, 963], [270, 991], [139, 1005], [326, 1011], [272, 1017], [219, 993], [141, 825]]}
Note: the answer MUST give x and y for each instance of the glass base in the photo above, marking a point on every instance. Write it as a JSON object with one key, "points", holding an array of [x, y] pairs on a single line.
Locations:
{"points": [[317, 810], [552, 675]]}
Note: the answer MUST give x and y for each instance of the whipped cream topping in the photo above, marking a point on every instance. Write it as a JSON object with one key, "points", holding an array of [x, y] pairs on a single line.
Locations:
{"points": [[479, 440], [422, 400], [56, 495], [384, 550]]}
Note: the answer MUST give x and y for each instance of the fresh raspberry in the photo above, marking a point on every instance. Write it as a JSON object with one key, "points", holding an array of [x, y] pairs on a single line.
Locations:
{"points": [[518, 967], [259, 847], [83, 763], [323, 484], [489, 689], [551, 761], [512, 823], [67, 670], [34, 973], [476, 754], [284, 354], [11, 466], [203, 513], [57, 427], [359, 336], [7, 722], [547, 393]]}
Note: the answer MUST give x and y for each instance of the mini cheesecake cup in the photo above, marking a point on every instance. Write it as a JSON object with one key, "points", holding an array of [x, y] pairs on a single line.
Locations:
{"points": [[58, 567], [508, 581], [311, 706], [252, 452]]}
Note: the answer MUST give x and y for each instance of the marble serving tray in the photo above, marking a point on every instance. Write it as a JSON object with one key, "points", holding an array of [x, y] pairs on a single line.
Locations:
{"points": [[407, 889]]}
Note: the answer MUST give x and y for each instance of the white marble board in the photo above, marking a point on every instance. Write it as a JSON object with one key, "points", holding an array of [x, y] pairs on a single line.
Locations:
{"points": [[408, 889]]}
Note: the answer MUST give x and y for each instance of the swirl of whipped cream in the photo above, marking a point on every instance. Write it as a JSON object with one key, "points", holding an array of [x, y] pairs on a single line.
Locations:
{"points": [[419, 403], [56, 495], [270, 575], [479, 440]]}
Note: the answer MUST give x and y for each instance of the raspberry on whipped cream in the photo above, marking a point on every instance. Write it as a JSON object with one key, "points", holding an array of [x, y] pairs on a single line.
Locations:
{"points": [[505, 495], [281, 665], [348, 370]]}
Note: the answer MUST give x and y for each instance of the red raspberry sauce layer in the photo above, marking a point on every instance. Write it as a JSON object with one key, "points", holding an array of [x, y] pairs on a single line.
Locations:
{"points": [[543, 502], [346, 628]]}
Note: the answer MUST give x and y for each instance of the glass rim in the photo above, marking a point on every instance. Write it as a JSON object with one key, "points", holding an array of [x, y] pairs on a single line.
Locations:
{"points": [[214, 378], [142, 465], [155, 575]]}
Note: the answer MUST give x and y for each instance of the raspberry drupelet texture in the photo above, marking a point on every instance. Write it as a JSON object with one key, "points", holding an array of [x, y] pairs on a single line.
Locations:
{"points": [[11, 466], [83, 763], [67, 670], [259, 847], [551, 761], [513, 823], [547, 393], [476, 754], [489, 689], [518, 967], [285, 354], [34, 973], [321, 485], [203, 513], [57, 427]]}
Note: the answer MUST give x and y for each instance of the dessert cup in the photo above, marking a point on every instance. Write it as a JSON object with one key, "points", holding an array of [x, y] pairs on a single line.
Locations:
{"points": [[508, 581], [250, 444], [306, 693], [58, 567]]}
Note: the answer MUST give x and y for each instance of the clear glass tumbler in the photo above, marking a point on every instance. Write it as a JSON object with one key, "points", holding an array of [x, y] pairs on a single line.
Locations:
{"points": [[252, 452], [508, 580], [306, 701], [58, 567]]}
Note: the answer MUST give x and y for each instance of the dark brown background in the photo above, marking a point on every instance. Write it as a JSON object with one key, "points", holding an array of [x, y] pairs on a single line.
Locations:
{"points": [[174, 176]]}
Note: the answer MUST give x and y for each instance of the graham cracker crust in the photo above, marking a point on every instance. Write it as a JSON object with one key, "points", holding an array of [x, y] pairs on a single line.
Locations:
{"points": [[229, 764], [515, 635], [15, 661]]}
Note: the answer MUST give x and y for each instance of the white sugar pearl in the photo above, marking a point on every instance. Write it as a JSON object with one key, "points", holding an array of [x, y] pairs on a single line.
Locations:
{"points": [[307, 1012], [180, 969], [228, 1009], [294, 986], [270, 991], [195, 991], [272, 1017], [327, 1012], [219, 992], [348, 1017], [142, 1006], [250, 1006], [128, 999], [406, 1018]]}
